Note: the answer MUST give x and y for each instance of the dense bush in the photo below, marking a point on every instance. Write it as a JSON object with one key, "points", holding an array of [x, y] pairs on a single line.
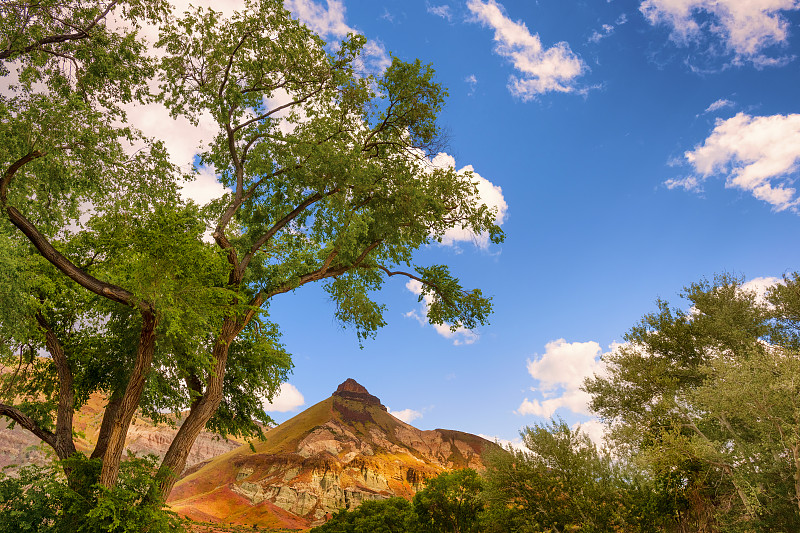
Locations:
{"points": [[39, 500], [395, 515]]}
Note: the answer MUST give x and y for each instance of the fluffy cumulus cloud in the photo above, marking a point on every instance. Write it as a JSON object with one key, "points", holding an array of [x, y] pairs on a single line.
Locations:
{"points": [[745, 27], [460, 336], [560, 373], [406, 415], [759, 155], [540, 69], [287, 399], [489, 194], [760, 286]]}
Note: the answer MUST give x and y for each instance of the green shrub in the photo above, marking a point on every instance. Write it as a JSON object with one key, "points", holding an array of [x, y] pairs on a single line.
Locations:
{"points": [[39, 500]]}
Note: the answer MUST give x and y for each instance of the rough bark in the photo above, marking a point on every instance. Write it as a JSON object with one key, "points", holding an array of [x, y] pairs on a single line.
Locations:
{"points": [[64, 444], [129, 402], [202, 409], [109, 416]]}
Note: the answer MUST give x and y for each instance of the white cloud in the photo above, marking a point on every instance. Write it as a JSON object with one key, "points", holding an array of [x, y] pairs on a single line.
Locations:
{"points": [[441, 11], [472, 81], [460, 336], [560, 373], [594, 429], [287, 399], [759, 155], [719, 104], [329, 22], [760, 286], [745, 27], [489, 194], [541, 69], [406, 415], [597, 36], [516, 444]]}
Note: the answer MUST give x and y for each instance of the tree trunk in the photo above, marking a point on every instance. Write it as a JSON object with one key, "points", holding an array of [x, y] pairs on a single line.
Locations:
{"points": [[201, 412], [109, 416], [64, 444], [129, 402]]}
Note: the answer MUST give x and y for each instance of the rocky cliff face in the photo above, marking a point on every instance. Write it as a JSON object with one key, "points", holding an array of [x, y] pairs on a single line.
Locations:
{"points": [[335, 455]]}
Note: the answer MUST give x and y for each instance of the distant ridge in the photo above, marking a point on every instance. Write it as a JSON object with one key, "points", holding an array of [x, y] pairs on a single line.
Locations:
{"points": [[336, 454]]}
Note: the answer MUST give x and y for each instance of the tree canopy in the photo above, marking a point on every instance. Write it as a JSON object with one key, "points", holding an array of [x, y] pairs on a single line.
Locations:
{"points": [[705, 402]]}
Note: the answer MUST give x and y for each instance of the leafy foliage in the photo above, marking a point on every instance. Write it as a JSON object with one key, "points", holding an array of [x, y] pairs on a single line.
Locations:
{"points": [[561, 483], [451, 502], [40, 500], [394, 515], [705, 404]]}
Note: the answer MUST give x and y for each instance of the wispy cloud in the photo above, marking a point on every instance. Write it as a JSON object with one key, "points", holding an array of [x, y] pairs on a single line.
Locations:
{"points": [[746, 28], [540, 69], [605, 31], [472, 81], [441, 11], [759, 155], [719, 104]]}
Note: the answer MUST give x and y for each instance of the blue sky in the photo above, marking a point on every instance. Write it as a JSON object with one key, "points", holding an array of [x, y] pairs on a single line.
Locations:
{"points": [[638, 147]]}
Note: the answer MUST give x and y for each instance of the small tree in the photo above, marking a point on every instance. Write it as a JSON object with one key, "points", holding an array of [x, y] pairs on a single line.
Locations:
{"points": [[561, 483], [451, 502], [705, 402]]}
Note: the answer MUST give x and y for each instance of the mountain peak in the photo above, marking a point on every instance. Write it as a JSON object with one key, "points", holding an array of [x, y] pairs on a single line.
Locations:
{"points": [[351, 385], [353, 390]]}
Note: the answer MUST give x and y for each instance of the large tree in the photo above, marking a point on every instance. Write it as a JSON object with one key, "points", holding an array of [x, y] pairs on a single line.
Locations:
{"points": [[328, 178], [705, 401]]}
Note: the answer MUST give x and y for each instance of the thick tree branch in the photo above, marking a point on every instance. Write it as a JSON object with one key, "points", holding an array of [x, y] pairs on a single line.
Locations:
{"points": [[280, 225], [101, 288], [9, 174], [28, 423], [130, 400], [109, 417]]}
